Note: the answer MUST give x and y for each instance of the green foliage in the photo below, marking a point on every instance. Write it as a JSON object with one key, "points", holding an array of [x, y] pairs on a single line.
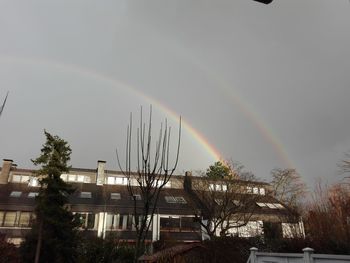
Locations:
{"points": [[54, 224], [218, 171], [54, 157]]}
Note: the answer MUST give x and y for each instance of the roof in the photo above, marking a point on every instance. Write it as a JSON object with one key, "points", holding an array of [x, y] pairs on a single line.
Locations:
{"points": [[168, 253], [100, 199]]}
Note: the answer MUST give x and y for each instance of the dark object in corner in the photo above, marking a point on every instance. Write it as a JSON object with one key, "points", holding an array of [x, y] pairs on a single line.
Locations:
{"points": [[264, 1]]}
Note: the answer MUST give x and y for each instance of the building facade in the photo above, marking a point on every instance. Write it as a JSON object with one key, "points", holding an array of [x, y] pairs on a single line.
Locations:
{"points": [[105, 206]]}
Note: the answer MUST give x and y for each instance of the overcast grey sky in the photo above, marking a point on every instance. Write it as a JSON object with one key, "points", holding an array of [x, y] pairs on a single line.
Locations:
{"points": [[264, 85]]}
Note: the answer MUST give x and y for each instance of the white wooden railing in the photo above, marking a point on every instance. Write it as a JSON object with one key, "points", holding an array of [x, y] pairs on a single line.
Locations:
{"points": [[306, 257]]}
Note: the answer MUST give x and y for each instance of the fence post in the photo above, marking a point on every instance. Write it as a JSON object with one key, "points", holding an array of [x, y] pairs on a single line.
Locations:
{"points": [[307, 254], [252, 257]]}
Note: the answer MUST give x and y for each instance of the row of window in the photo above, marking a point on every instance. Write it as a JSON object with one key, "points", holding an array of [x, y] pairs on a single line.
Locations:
{"points": [[260, 204], [175, 199], [30, 180], [113, 196], [250, 189], [117, 196], [121, 222], [79, 178], [218, 187], [221, 201], [271, 205], [179, 224], [16, 219], [112, 221], [19, 194], [255, 190], [113, 180]]}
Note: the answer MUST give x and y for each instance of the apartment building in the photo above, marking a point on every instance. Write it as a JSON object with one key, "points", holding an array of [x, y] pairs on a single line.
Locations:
{"points": [[105, 206]]}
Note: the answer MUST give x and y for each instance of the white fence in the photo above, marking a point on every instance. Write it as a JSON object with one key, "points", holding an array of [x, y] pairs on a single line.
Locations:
{"points": [[307, 257]]}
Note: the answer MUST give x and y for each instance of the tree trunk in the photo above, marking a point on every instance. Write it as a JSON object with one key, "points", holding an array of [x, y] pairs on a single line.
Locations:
{"points": [[38, 246]]}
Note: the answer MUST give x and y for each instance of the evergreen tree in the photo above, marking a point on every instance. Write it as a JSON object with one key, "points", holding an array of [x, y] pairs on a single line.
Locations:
{"points": [[53, 237], [218, 171]]}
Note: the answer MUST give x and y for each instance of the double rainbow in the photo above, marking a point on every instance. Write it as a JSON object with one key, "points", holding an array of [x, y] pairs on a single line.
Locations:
{"points": [[198, 137]]}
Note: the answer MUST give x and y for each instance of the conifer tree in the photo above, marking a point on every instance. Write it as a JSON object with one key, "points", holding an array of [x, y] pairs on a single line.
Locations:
{"points": [[218, 171], [53, 235]]}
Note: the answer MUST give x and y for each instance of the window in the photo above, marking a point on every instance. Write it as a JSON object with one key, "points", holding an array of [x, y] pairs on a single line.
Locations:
{"points": [[64, 177], [25, 178], [80, 178], [2, 214], [249, 189], [180, 200], [217, 187], [76, 178], [256, 190], [170, 223], [261, 204], [87, 220], [123, 222], [10, 219], [15, 194], [121, 180], [87, 179], [170, 199], [34, 182], [85, 195], [279, 206], [111, 222], [272, 206], [32, 194], [18, 178], [136, 197], [115, 196], [71, 177], [110, 180], [262, 191], [175, 200], [24, 220]]}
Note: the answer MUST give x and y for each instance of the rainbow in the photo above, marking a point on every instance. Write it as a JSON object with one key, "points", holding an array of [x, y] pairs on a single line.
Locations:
{"points": [[242, 105], [199, 137]]}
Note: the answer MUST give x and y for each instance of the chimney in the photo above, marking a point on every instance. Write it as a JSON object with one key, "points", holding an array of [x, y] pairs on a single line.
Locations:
{"points": [[188, 173], [100, 179], [5, 171], [188, 181]]}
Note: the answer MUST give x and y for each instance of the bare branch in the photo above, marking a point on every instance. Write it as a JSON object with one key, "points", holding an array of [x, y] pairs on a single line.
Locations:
{"points": [[150, 177], [3, 104]]}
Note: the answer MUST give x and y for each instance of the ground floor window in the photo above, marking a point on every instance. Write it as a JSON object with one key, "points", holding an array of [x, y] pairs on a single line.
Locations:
{"points": [[87, 220], [16, 218], [179, 224]]}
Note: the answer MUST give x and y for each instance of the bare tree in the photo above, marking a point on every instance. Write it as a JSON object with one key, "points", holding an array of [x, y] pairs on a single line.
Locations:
{"points": [[344, 164], [288, 187], [153, 172], [239, 171], [327, 221], [3, 104], [224, 204]]}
